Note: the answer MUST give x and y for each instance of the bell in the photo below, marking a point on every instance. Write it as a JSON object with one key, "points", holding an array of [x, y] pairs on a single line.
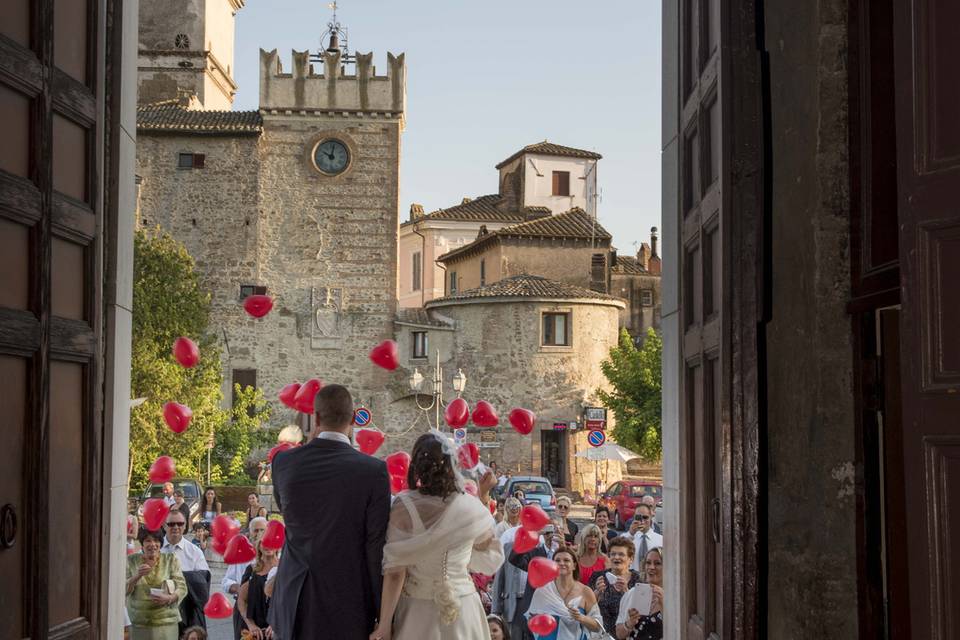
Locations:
{"points": [[334, 46]]}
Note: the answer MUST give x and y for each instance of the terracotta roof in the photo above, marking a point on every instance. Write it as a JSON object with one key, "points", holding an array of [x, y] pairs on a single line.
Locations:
{"points": [[550, 149], [479, 209], [526, 286], [629, 265], [571, 224], [419, 317], [167, 117]]}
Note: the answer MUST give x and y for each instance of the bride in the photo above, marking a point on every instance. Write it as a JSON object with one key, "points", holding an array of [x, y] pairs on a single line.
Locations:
{"points": [[437, 535]]}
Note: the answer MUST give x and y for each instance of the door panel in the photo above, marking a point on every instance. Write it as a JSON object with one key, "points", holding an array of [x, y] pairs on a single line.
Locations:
{"points": [[928, 154], [50, 317]]}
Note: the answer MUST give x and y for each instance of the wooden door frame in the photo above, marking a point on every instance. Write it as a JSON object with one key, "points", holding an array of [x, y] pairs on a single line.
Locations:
{"points": [[747, 196]]}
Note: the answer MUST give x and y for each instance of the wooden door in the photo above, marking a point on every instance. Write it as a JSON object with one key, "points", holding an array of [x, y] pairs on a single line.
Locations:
{"points": [[926, 51], [50, 306], [702, 226], [722, 233]]}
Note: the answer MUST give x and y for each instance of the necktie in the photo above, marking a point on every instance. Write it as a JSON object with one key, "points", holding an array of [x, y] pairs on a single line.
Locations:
{"points": [[643, 550]]}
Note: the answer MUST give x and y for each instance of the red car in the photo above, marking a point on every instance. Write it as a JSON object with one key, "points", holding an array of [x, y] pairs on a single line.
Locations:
{"points": [[622, 498]]}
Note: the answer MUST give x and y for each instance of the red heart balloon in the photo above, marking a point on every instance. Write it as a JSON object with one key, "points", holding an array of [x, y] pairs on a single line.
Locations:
{"points": [[457, 413], [386, 355], [177, 416], [398, 484], [542, 624], [303, 400], [398, 463], [162, 470], [219, 546], [258, 305], [283, 446], [239, 550], [468, 454], [524, 540], [484, 415], [369, 440], [288, 393], [224, 528], [541, 571], [185, 352], [218, 606], [493, 507], [522, 421], [155, 512], [274, 536], [532, 517]]}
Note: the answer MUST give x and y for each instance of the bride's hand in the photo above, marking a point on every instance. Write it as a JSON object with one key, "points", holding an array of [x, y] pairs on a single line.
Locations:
{"points": [[487, 482], [382, 632]]}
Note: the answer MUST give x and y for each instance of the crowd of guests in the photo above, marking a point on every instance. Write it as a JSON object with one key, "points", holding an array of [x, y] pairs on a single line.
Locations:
{"points": [[598, 568], [168, 574]]}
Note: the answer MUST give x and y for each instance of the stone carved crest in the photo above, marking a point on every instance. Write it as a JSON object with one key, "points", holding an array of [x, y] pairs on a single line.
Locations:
{"points": [[326, 306]]}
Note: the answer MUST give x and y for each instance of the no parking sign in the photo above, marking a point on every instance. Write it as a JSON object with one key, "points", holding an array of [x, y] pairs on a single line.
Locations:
{"points": [[459, 436], [596, 438], [362, 416]]}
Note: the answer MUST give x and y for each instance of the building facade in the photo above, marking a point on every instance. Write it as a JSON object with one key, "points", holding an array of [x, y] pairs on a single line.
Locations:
{"points": [[636, 279], [297, 200], [524, 341], [538, 180]]}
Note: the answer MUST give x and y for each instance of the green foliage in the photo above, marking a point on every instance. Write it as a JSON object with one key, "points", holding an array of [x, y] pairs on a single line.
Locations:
{"points": [[635, 399], [168, 302]]}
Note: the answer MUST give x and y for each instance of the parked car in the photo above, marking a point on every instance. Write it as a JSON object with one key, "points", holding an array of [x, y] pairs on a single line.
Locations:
{"points": [[191, 495], [536, 490], [622, 498]]}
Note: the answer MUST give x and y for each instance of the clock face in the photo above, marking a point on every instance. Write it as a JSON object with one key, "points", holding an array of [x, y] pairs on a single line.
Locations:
{"points": [[331, 157]]}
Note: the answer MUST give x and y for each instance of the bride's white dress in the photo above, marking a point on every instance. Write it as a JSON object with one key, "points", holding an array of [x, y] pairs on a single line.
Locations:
{"points": [[439, 542]]}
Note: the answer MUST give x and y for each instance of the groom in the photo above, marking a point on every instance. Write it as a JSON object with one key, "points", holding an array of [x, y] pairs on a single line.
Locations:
{"points": [[335, 503]]}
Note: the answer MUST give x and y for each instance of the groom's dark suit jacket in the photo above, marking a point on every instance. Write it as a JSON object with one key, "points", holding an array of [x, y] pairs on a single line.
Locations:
{"points": [[335, 503]]}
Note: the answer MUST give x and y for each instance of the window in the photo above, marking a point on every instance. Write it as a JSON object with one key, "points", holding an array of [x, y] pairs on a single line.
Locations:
{"points": [[420, 344], [247, 290], [453, 282], [556, 330], [483, 272], [417, 271], [190, 160], [561, 183], [598, 273], [245, 378], [646, 298]]}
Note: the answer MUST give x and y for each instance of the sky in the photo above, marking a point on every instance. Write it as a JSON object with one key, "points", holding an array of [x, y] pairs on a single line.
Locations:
{"points": [[487, 77]]}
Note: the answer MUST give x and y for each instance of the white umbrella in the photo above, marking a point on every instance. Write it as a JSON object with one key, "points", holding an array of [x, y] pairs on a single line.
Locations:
{"points": [[608, 451]]}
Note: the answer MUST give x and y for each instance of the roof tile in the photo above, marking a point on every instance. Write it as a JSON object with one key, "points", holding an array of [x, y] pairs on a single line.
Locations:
{"points": [[166, 117], [526, 286], [550, 149]]}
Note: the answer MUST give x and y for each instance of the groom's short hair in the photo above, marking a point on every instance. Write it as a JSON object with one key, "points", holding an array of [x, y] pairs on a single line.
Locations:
{"points": [[333, 406]]}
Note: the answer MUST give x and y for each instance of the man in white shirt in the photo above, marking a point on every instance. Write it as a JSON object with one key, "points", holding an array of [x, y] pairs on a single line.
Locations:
{"points": [[645, 538], [234, 574], [190, 556], [168, 496], [511, 519]]}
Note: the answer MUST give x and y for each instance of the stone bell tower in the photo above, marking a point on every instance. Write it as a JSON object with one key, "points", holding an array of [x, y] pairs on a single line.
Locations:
{"points": [[186, 51]]}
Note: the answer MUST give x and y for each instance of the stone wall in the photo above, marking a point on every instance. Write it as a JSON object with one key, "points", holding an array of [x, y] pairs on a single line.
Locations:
{"points": [[812, 583], [563, 260], [497, 345], [637, 317]]}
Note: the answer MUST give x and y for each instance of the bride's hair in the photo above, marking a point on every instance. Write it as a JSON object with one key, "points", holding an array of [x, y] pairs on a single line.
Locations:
{"points": [[431, 468]]}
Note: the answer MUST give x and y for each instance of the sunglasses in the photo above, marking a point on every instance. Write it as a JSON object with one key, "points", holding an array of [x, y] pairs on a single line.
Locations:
{"points": [[176, 524]]}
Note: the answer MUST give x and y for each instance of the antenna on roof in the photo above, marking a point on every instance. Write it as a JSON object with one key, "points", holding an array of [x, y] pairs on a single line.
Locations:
{"points": [[336, 38]]}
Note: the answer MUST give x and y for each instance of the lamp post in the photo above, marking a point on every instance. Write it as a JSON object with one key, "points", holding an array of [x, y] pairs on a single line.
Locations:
{"points": [[416, 379]]}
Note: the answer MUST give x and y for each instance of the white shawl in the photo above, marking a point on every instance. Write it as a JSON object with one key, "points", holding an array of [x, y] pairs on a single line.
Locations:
{"points": [[547, 600]]}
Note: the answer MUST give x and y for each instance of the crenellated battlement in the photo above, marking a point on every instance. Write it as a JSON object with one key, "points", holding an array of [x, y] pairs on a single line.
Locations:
{"points": [[333, 90]]}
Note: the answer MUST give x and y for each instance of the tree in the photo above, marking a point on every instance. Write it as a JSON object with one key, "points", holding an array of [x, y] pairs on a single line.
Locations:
{"points": [[168, 302], [635, 399]]}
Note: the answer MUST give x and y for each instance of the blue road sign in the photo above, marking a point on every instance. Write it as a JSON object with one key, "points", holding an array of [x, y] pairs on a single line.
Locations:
{"points": [[596, 438], [459, 436], [362, 416]]}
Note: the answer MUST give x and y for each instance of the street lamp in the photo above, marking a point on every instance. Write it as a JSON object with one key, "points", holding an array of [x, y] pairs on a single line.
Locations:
{"points": [[436, 402]]}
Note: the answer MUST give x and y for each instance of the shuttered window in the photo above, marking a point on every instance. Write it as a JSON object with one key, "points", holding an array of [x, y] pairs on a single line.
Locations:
{"points": [[561, 183]]}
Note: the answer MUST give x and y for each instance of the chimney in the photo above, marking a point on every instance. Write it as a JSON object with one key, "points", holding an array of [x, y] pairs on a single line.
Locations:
{"points": [[416, 211], [643, 256], [653, 243]]}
